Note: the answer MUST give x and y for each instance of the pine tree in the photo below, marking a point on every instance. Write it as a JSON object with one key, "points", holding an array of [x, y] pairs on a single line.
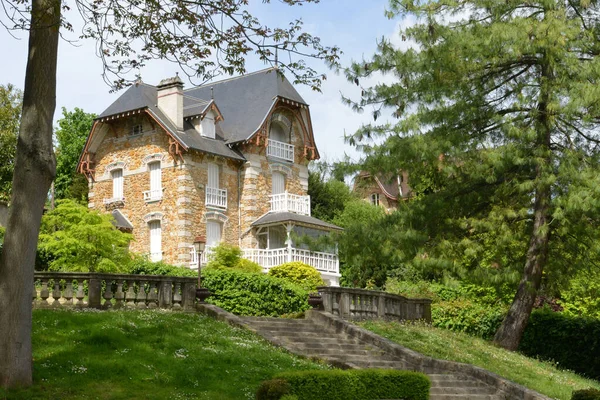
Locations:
{"points": [[495, 110]]}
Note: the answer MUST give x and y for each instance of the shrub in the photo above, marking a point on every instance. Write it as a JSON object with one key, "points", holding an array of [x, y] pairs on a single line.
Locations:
{"points": [[253, 294], [274, 389], [248, 266], [468, 316], [586, 394], [140, 265], [572, 342], [224, 255], [582, 297], [299, 273], [367, 384]]}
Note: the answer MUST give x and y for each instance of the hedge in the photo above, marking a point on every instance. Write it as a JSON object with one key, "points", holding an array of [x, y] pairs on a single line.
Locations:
{"points": [[246, 293], [586, 394], [572, 342], [365, 384]]}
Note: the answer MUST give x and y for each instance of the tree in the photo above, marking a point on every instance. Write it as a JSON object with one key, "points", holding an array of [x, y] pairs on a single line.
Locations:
{"points": [[77, 239], [72, 132], [495, 109], [10, 116], [328, 195], [205, 38]]}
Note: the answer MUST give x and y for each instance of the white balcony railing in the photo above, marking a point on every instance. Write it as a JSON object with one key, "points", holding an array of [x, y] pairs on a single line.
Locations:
{"points": [[153, 195], [281, 150], [323, 262], [216, 197], [155, 257], [203, 257], [287, 202]]}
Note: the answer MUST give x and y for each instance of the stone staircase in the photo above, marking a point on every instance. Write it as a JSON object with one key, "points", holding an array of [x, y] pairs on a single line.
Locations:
{"points": [[305, 338]]}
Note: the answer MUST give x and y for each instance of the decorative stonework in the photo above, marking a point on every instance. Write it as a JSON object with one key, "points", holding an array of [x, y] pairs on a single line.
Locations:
{"points": [[153, 216], [112, 166], [215, 215], [153, 157], [284, 169]]}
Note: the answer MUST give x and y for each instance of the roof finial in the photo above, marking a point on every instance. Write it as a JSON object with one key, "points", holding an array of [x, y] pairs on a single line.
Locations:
{"points": [[212, 93]]}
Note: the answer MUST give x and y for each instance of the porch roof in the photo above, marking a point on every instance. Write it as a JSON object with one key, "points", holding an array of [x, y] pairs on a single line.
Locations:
{"points": [[297, 219]]}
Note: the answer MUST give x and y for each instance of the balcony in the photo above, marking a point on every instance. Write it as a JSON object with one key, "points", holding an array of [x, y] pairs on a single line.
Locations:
{"points": [[153, 195], [281, 150], [327, 263], [203, 257], [287, 202], [216, 197]]}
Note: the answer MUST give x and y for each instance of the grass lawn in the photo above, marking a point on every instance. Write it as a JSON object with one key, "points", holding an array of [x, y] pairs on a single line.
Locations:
{"points": [[148, 355], [540, 376]]}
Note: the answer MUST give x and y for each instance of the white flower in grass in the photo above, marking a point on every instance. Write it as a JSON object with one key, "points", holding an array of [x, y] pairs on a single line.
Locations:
{"points": [[181, 353], [78, 369]]}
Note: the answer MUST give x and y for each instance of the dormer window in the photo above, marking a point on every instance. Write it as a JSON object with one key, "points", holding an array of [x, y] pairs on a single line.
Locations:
{"points": [[280, 138], [207, 126], [137, 129], [136, 125], [375, 199]]}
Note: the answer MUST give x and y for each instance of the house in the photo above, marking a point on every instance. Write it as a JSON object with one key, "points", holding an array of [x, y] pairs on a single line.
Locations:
{"points": [[382, 190], [227, 160]]}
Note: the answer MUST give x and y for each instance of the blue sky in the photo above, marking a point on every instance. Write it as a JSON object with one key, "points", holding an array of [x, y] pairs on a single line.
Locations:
{"points": [[353, 25]]}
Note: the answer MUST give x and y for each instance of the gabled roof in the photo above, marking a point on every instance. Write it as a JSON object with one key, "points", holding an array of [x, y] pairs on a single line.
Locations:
{"points": [[143, 96], [388, 184], [282, 217], [245, 100]]}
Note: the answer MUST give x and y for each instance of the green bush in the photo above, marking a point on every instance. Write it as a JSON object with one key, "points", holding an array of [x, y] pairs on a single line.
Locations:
{"points": [[274, 389], [582, 296], [248, 266], [224, 255], [572, 342], [140, 265], [468, 316], [254, 294], [299, 273], [367, 384], [586, 394]]}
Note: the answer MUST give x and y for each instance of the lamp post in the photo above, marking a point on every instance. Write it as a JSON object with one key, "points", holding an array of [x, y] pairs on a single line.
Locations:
{"points": [[199, 246]]}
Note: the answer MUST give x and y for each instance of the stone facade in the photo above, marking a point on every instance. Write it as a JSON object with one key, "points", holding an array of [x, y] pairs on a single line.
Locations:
{"points": [[182, 209]]}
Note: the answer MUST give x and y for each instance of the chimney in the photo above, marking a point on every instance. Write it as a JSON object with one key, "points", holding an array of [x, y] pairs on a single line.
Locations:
{"points": [[170, 100]]}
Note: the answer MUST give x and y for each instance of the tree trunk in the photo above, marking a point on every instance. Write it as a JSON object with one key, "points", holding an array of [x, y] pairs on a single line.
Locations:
{"points": [[34, 171], [510, 332]]}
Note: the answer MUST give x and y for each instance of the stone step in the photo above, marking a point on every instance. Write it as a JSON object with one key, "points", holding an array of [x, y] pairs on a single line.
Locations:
{"points": [[337, 353], [465, 397], [334, 344], [463, 390]]}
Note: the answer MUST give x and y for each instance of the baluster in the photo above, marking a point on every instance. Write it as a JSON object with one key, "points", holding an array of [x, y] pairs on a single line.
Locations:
{"points": [[56, 293], [141, 295], [119, 295], [130, 296], [69, 293], [152, 295], [80, 294], [108, 295], [177, 296], [44, 293]]}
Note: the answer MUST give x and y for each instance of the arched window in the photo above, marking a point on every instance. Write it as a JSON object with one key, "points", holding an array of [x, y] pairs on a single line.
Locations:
{"points": [[117, 179], [155, 240]]}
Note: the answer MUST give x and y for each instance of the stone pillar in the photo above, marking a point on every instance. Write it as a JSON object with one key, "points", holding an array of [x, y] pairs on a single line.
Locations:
{"points": [[94, 292], [188, 296], [345, 305], [381, 306], [165, 294]]}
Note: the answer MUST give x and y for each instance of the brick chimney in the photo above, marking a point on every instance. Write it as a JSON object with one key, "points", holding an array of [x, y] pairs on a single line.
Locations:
{"points": [[170, 100]]}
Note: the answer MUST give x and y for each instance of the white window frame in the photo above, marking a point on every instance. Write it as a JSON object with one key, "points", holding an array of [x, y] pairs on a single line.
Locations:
{"points": [[208, 127], [375, 199], [212, 226], [155, 239], [274, 188], [155, 175], [118, 183]]}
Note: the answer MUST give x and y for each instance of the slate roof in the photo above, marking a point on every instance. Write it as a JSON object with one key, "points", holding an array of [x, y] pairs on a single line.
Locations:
{"points": [[143, 96], [243, 101], [282, 217], [387, 183]]}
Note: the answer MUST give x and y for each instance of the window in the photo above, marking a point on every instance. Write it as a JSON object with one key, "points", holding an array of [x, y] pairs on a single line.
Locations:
{"points": [[155, 240], [213, 233], [213, 176], [155, 192], [117, 178], [137, 129], [375, 199], [278, 183], [208, 125], [277, 237]]}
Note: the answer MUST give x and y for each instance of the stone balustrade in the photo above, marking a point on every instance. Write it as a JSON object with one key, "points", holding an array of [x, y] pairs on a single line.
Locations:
{"points": [[104, 291], [361, 304]]}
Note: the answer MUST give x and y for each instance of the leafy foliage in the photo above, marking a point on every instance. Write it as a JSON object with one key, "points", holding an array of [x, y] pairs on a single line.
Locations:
{"points": [[582, 295], [140, 265], [273, 389], [226, 256], [494, 114], [79, 239], [298, 273], [570, 341], [350, 384], [253, 294], [10, 118], [586, 394], [328, 194], [72, 132]]}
